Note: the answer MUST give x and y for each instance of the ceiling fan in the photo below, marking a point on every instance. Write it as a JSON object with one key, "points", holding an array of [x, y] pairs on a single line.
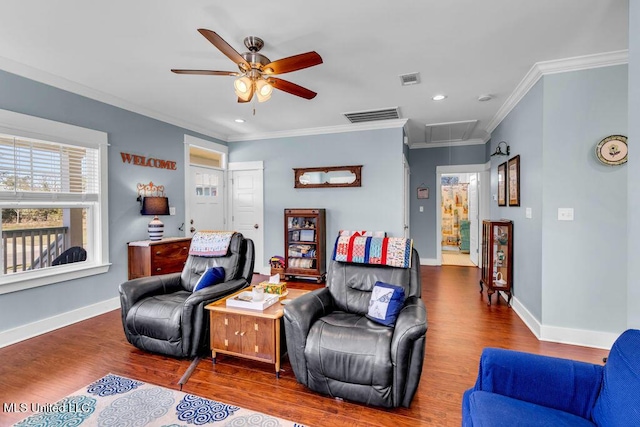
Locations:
{"points": [[256, 71]]}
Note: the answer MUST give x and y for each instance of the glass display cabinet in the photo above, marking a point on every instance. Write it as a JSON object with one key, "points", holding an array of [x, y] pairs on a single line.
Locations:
{"points": [[304, 243], [497, 258]]}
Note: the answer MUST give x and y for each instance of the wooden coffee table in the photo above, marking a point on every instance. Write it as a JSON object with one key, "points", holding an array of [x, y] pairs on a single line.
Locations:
{"points": [[252, 334]]}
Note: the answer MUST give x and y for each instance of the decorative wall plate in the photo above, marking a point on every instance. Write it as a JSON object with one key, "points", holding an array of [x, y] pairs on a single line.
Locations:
{"points": [[612, 150]]}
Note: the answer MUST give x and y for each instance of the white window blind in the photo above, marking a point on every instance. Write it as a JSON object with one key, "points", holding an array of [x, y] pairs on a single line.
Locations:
{"points": [[42, 170]]}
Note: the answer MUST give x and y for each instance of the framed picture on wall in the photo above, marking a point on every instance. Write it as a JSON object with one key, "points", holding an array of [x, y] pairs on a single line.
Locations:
{"points": [[423, 192], [502, 184], [514, 181]]}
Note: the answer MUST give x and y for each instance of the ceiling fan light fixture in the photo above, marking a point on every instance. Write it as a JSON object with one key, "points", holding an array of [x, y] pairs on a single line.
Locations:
{"points": [[243, 87], [263, 90]]}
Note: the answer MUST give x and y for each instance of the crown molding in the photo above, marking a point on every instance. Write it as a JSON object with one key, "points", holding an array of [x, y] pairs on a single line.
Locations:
{"points": [[542, 68], [353, 127], [475, 141], [44, 77]]}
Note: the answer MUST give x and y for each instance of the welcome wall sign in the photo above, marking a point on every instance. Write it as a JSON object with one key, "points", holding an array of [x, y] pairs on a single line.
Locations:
{"points": [[149, 162]]}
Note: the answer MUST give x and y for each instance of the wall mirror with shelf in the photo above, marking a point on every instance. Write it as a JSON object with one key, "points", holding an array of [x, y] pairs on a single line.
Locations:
{"points": [[330, 176]]}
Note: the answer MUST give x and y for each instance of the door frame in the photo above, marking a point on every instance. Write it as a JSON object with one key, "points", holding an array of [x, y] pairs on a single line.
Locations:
{"points": [[483, 202], [407, 197], [192, 141], [246, 166]]}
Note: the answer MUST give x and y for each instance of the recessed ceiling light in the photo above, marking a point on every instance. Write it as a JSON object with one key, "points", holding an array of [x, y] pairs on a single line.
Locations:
{"points": [[439, 97], [239, 120]]}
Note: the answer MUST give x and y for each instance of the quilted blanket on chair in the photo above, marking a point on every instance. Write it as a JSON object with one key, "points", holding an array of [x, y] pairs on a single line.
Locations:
{"points": [[210, 243], [390, 251]]}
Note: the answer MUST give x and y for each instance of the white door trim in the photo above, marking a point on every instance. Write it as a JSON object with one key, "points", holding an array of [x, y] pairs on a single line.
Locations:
{"points": [[192, 141], [482, 204], [245, 166]]}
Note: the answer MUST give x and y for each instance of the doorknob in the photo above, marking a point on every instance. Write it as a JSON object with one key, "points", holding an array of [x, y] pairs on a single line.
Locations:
{"points": [[192, 229], [256, 226]]}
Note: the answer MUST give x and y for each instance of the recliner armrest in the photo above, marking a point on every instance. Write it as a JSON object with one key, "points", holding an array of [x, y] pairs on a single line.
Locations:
{"points": [[299, 315], [214, 293], [562, 384], [134, 290], [307, 308], [411, 324]]}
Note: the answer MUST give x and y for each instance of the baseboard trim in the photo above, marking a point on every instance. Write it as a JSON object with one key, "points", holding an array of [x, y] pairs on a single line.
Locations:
{"points": [[581, 337], [429, 261], [30, 330], [525, 315]]}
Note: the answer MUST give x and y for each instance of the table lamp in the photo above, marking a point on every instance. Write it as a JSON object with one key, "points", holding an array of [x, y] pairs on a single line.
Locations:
{"points": [[155, 206]]}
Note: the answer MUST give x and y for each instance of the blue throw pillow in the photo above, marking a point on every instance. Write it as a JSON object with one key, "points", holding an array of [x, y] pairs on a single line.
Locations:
{"points": [[212, 276], [385, 303]]}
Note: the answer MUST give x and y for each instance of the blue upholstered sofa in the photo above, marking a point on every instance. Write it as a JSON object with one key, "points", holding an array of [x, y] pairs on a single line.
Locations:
{"points": [[521, 389]]}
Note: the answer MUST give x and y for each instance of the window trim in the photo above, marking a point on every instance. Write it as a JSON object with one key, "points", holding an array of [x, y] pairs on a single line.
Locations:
{"points": [[26, 126]]}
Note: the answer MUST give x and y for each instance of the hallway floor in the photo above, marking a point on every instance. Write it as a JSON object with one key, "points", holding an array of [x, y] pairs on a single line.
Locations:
{"points": [[456, 258]]}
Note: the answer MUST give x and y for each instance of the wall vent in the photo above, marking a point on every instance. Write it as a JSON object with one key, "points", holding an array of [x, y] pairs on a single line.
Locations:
{"points": [[410, 79], [373, 115]]}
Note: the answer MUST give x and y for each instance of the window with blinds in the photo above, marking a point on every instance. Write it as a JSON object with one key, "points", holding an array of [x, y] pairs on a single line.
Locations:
{"points": [[42, 168]]}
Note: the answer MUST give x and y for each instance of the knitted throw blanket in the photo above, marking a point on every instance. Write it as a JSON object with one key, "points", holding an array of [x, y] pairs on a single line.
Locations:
{"points": [[210, 243]]}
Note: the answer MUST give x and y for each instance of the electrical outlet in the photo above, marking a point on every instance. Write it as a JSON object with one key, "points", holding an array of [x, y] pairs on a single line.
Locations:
{"points": [[172, 210], [421, 208]]}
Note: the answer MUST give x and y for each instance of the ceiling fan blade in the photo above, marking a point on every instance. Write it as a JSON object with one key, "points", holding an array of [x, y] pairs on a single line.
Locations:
{"points": [[292, 88], [293, 63], [224, 47], [206, 72]]}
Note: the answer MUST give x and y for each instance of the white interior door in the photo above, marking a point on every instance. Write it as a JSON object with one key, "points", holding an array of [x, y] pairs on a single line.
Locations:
{"points": [[247, 205], [473, 218], [206, 199]]}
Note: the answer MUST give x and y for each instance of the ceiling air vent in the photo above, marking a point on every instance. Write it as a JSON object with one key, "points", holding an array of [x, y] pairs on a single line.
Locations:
{"points": [[373, 115], [410, 79], [449, 132]]}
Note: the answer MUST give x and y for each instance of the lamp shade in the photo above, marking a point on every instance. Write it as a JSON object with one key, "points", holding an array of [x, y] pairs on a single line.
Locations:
{"points": [[263, 90], [244, 88], [155, 206]]}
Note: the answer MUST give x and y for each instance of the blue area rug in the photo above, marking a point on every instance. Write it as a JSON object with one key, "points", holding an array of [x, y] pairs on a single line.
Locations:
{"points": [[121, 402]]}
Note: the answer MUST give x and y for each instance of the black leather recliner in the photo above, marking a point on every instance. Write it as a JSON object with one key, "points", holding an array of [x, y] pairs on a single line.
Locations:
{"points": [[163, 315], [334, 349]]}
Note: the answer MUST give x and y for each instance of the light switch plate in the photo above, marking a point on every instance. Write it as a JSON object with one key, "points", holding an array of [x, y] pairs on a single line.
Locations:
{"points": [[565, 214], [172, 210], [527, 213], [421, 208]]}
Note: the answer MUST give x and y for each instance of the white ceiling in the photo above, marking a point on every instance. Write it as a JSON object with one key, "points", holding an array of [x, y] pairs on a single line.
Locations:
{"points": [[121, 52]]}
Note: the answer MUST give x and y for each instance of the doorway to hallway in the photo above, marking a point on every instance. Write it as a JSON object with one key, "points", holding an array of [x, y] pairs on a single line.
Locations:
{"points": [[462, 203]]}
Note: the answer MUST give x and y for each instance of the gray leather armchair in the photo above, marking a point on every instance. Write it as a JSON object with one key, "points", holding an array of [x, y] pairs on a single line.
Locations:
{"points": [[334, 349], [162, 314]]}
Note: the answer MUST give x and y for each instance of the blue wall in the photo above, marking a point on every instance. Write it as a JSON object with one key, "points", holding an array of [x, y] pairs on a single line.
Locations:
{"points": [[584, 261], [569, 274], [522, 130], [377, 205], [633, 178], [127, 132], [423, 162]]}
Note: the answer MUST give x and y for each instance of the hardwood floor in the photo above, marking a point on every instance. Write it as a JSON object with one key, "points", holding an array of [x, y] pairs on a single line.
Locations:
{"points": [[46, 368]]}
